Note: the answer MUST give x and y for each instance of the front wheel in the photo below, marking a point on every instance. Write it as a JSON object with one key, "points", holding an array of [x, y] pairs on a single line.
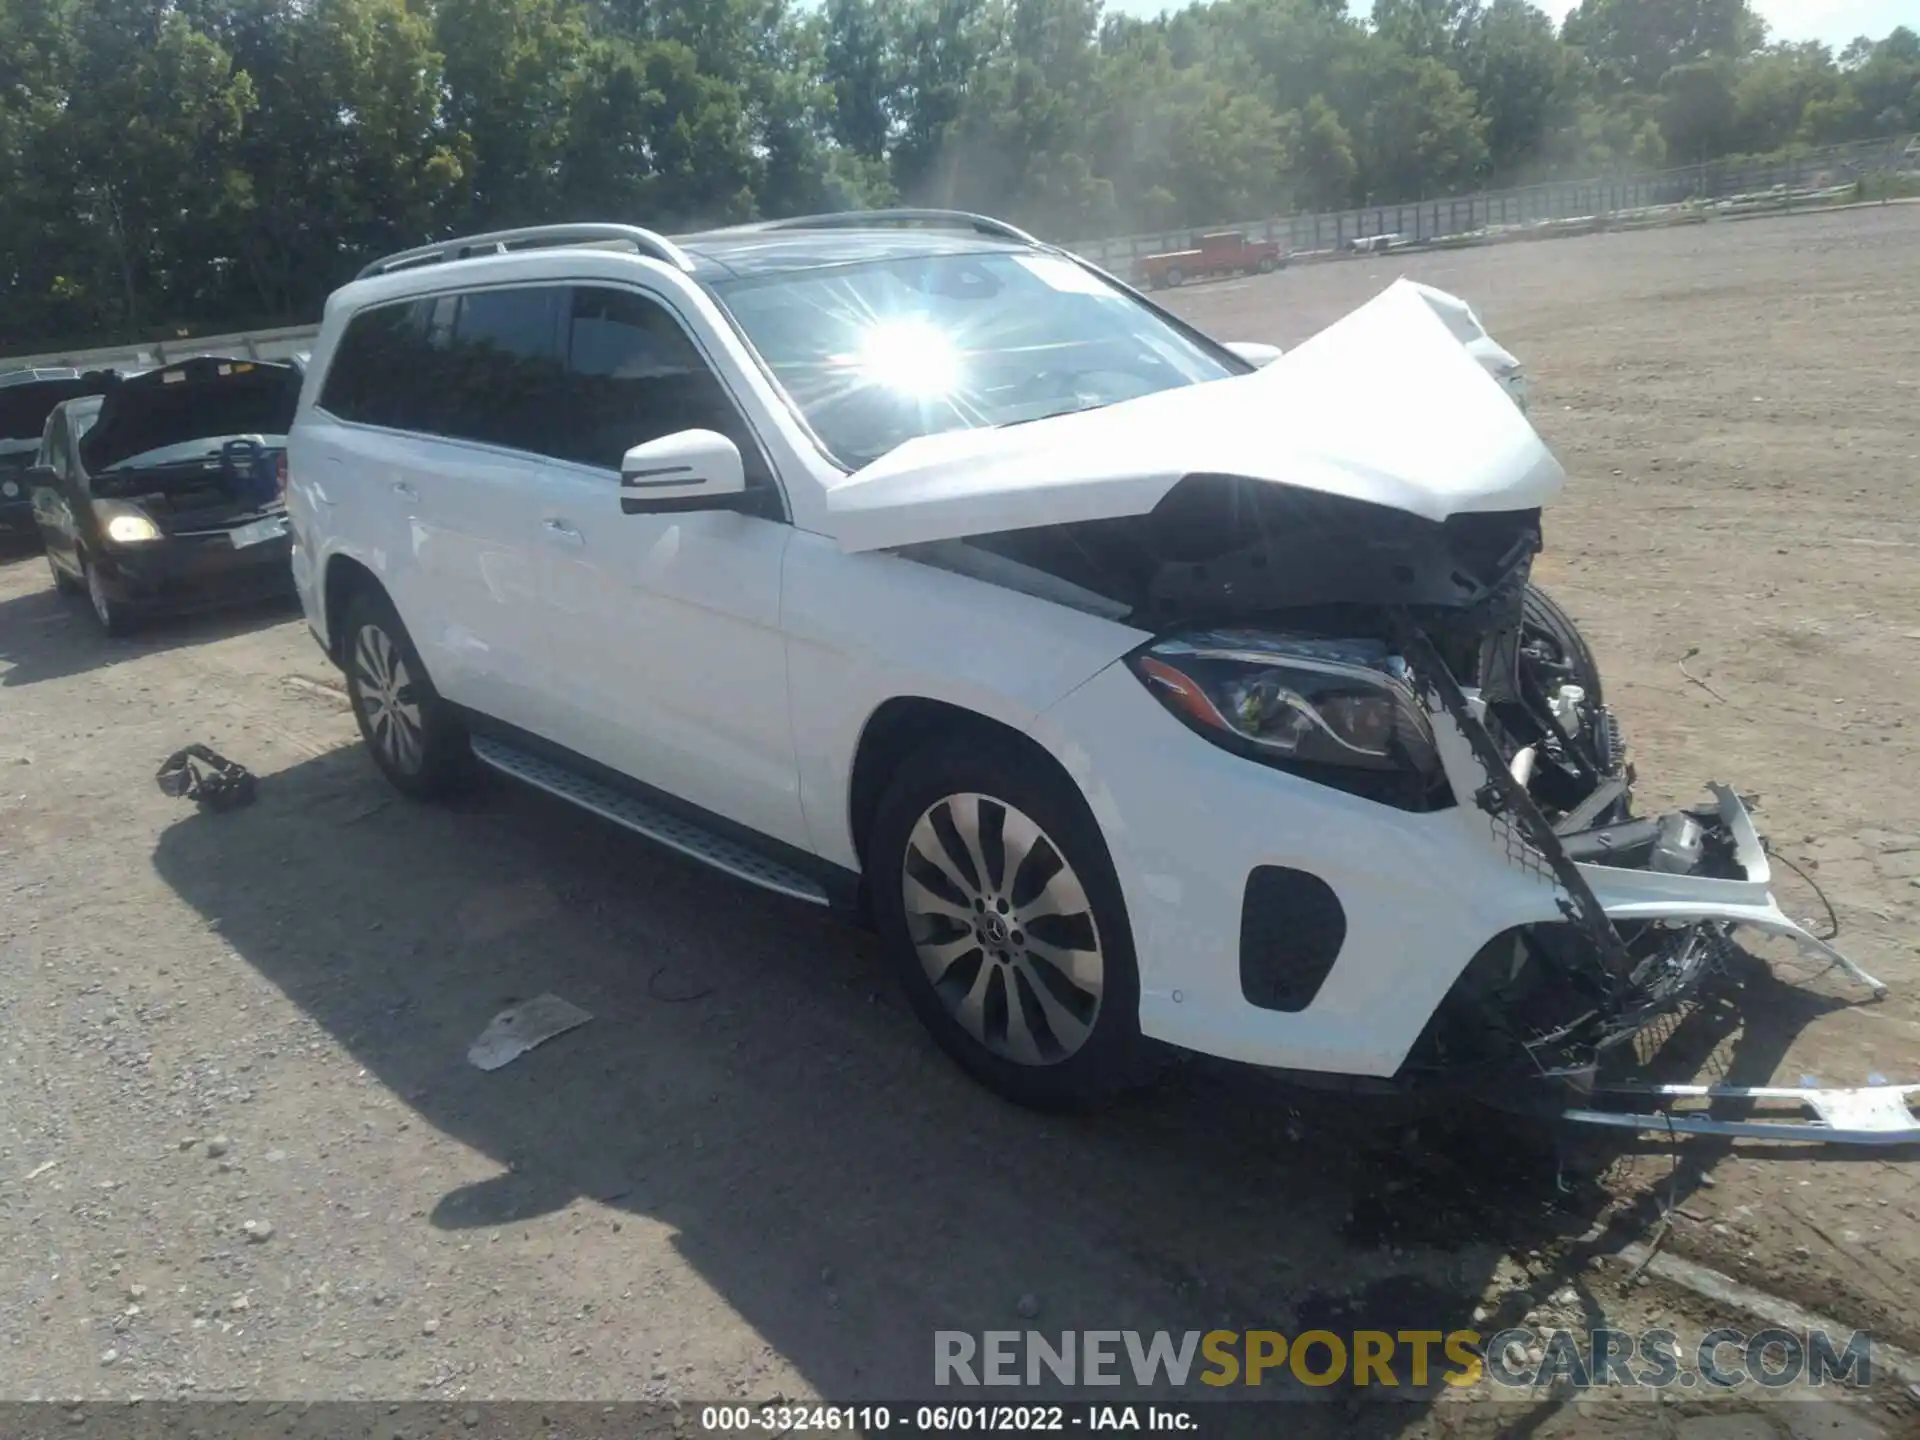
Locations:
{"points": [[1560, 649], [115, 618], [413, 734], [63, 583], [1176, 276], [1001, 912]]}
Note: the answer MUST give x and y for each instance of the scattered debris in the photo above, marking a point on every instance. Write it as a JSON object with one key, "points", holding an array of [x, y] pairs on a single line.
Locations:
{"points": [[207, 778], [218, 1146], [653, 990], [136, 1292], [320, 689], [519, 1028], [1693, 650], [258, 1231], [42, 1168], [430, 1327]]}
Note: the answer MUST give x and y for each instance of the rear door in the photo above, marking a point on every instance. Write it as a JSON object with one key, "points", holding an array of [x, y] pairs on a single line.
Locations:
{"points": [[455, 399]]}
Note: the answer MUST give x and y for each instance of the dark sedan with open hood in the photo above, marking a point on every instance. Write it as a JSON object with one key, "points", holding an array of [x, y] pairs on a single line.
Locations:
{"points": [[27, 398], [164, 492]]}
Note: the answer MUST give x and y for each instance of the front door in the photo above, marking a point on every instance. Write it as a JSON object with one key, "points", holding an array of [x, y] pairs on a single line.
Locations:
{"points": [[664, 630]]}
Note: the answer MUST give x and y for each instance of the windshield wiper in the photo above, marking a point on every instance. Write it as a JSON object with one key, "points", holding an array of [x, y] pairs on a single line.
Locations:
{"points": [[1053, 414]]}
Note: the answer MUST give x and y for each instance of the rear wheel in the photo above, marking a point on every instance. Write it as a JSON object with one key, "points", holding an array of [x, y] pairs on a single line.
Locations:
{"points": [[415, 739], [1267, 265], [1003, 917], [1175, 275]]}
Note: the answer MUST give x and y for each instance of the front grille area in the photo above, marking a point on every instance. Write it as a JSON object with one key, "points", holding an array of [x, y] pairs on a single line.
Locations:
{"points": [[1291, 929]]}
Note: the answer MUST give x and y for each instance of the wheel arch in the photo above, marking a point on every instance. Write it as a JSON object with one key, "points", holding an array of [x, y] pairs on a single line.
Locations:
{"points": [[904, 724], [343, 578]]}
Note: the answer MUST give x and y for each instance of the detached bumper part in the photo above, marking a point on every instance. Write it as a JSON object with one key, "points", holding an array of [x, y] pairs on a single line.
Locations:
{"points": [[1867, 1115]]}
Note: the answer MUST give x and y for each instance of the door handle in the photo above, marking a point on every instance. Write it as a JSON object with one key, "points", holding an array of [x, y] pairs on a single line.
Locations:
{"points": [[561, 532], [405, 491]]}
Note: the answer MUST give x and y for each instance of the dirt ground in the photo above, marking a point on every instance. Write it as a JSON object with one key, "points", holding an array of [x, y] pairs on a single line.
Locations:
{"points": [[750, 1174]]}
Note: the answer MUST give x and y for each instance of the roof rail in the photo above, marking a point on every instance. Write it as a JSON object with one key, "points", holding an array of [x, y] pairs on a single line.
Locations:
{"points": [[862, 219], [530, 237]]}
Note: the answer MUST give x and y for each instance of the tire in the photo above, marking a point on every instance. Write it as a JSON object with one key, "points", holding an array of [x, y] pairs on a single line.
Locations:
{"points": [[1267, 265], [409, 730], [1074, 1039], [63, 583], [116, 618], [1543, 619], [1176, 276]]}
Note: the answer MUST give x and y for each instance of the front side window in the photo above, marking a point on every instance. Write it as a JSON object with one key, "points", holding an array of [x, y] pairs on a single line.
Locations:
{"points": [[634, 375], [482, 365], [877, 353]]}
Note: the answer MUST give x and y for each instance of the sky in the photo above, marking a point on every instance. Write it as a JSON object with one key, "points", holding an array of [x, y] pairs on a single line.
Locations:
{"points": [[1834, 21]]}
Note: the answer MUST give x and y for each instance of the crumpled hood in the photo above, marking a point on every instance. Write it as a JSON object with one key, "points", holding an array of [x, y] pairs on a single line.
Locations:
{"points": [[1386, 405]]}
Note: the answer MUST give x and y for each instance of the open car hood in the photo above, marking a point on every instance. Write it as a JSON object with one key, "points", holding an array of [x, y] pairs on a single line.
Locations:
{"points": [[201, 399], [1390, 405], [25, 405]]}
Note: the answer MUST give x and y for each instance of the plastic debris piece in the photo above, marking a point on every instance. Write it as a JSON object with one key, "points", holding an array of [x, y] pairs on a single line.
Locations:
{"points": [[519, 1028]]}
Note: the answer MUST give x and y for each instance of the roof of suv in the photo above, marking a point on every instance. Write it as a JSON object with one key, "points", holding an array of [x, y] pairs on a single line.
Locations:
{"points": [[750, 251], [768, 247]]}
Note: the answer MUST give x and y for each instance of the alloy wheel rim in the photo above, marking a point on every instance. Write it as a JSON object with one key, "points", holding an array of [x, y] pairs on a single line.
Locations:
{"points": [[1003, 929], [388, 704]]}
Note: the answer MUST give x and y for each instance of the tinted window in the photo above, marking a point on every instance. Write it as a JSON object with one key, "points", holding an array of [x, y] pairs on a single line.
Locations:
{"points": [[504, 368], [635, 375], [368, 380], [480, 366]]}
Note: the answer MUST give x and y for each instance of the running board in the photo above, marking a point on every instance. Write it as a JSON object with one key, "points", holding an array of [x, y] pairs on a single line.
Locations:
{"points": [[691, 839], [1877, 1114]]}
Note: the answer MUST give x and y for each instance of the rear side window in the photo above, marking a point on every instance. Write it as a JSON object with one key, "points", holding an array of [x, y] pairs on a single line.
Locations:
{"points": [[483, 366], [634, 375], [367, 381]]}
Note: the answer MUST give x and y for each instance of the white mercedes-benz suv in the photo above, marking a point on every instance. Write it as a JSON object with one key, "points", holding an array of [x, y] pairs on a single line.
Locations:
{"points": [[1142, 690]]}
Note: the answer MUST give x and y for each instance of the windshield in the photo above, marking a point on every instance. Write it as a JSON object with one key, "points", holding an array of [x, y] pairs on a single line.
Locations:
{"points": [[876, 354]]}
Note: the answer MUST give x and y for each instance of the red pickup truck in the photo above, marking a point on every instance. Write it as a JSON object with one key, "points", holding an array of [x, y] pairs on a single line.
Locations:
{"points": [[1224, 252]]}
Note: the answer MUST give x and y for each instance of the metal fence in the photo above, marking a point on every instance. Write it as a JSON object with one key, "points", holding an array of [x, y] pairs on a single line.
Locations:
{"points": [[1422, 221], [1533, 205]]}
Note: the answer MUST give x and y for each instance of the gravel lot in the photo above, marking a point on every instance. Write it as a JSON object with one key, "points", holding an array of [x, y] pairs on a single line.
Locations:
{"points": [[750, 1175]]}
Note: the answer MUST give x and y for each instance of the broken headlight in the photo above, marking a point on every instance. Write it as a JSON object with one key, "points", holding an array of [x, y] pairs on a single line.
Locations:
{"points": [[1341, 712]]}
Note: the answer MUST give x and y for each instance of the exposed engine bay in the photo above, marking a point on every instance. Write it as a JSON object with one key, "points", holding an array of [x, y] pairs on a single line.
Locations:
{"points": [[1274, 609]]}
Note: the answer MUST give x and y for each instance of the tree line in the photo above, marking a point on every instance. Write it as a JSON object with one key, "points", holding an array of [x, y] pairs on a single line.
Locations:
{"points": [[226, 162]]}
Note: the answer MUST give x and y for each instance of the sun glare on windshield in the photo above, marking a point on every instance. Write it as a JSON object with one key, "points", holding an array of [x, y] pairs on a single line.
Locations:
{"points": [[910, 355]]}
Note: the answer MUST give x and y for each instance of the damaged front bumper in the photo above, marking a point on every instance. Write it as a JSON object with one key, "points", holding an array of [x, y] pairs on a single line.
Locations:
{"points": [[1637, 941], [1875, 1114]]}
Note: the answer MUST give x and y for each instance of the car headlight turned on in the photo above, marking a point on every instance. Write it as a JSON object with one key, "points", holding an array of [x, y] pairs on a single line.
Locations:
{"points": [[124, 524], [1339, 712]]}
